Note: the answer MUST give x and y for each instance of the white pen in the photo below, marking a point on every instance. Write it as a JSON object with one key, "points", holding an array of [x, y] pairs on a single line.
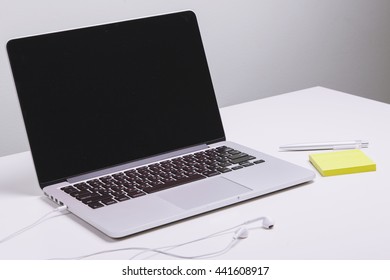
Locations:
{"points": [[336, 145]]}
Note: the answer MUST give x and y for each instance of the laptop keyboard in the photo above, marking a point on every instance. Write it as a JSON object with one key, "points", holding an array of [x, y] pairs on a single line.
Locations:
{"points": [[152, 178]]}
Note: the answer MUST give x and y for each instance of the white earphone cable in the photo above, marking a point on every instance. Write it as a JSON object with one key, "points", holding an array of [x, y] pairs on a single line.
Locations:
{"points": [[144, 249], [164, 250], [40, 220], [172, 247]]}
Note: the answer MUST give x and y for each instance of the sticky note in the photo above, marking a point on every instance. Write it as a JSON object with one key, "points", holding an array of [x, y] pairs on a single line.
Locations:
{"points": [[342, 162]]}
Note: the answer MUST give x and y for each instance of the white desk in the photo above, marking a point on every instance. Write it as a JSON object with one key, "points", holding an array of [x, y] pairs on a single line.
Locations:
{"points": [[341, 217]]}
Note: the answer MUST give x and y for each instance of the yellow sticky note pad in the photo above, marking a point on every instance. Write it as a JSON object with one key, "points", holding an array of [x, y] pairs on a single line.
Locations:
{"points": [[342, 162]]}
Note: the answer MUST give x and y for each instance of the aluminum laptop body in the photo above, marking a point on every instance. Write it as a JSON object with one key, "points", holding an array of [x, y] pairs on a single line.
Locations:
{"points": [[120, 99]]}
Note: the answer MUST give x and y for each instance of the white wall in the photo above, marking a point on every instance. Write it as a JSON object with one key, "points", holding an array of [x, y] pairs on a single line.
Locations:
{"points": [[255, 48]]}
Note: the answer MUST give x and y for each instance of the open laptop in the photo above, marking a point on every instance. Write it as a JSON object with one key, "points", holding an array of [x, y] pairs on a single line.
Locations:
{"points": [[124, 127]]}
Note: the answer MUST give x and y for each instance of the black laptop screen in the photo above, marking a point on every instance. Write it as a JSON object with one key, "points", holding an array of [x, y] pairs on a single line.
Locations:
{"points": [[101, 96]]}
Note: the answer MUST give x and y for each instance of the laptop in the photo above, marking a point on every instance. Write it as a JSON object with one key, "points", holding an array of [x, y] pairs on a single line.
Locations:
{"points": [[124, 127]]}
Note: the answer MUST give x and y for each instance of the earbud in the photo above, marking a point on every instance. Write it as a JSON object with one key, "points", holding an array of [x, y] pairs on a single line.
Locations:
{"points": [[241, 233], [267, 222]]}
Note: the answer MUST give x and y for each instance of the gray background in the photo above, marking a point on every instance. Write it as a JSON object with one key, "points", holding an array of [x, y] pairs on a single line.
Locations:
{"points": [[255, 49]]}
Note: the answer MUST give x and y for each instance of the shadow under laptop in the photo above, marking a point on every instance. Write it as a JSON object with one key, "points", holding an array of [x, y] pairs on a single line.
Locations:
{"points": [[108, 239]]}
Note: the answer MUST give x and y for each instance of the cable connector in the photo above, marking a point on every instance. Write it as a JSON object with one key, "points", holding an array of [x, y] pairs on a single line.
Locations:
{"points": [[61, 208]]}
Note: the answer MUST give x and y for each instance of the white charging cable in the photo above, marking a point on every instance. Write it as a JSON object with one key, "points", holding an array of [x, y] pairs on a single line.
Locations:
{"points": [[40, 220]]}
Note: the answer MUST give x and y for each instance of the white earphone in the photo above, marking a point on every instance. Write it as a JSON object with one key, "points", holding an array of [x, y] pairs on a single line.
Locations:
{"points": [[243, 232], [267, 222]]}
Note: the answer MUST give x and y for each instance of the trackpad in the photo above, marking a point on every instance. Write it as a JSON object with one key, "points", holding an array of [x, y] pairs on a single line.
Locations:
{"points": [[203, 192]]}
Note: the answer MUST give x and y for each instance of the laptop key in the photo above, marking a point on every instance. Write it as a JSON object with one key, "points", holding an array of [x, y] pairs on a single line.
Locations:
{"points": [[136, 194], [211, 173], [109, 201], [83, 195], [242, 159], [235, 156], [95, 205], [224, 170], [122, 198], [246, 164], [225, 164], [192, 178], [237, 167], [69, 189], [91, 199]]}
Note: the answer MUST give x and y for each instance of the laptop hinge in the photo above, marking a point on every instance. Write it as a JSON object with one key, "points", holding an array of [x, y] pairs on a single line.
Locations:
{"points": [[137, 163]]}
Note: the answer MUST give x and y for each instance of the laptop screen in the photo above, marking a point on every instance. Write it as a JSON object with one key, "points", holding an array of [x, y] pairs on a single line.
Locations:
{"points": [[101, 96]]}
